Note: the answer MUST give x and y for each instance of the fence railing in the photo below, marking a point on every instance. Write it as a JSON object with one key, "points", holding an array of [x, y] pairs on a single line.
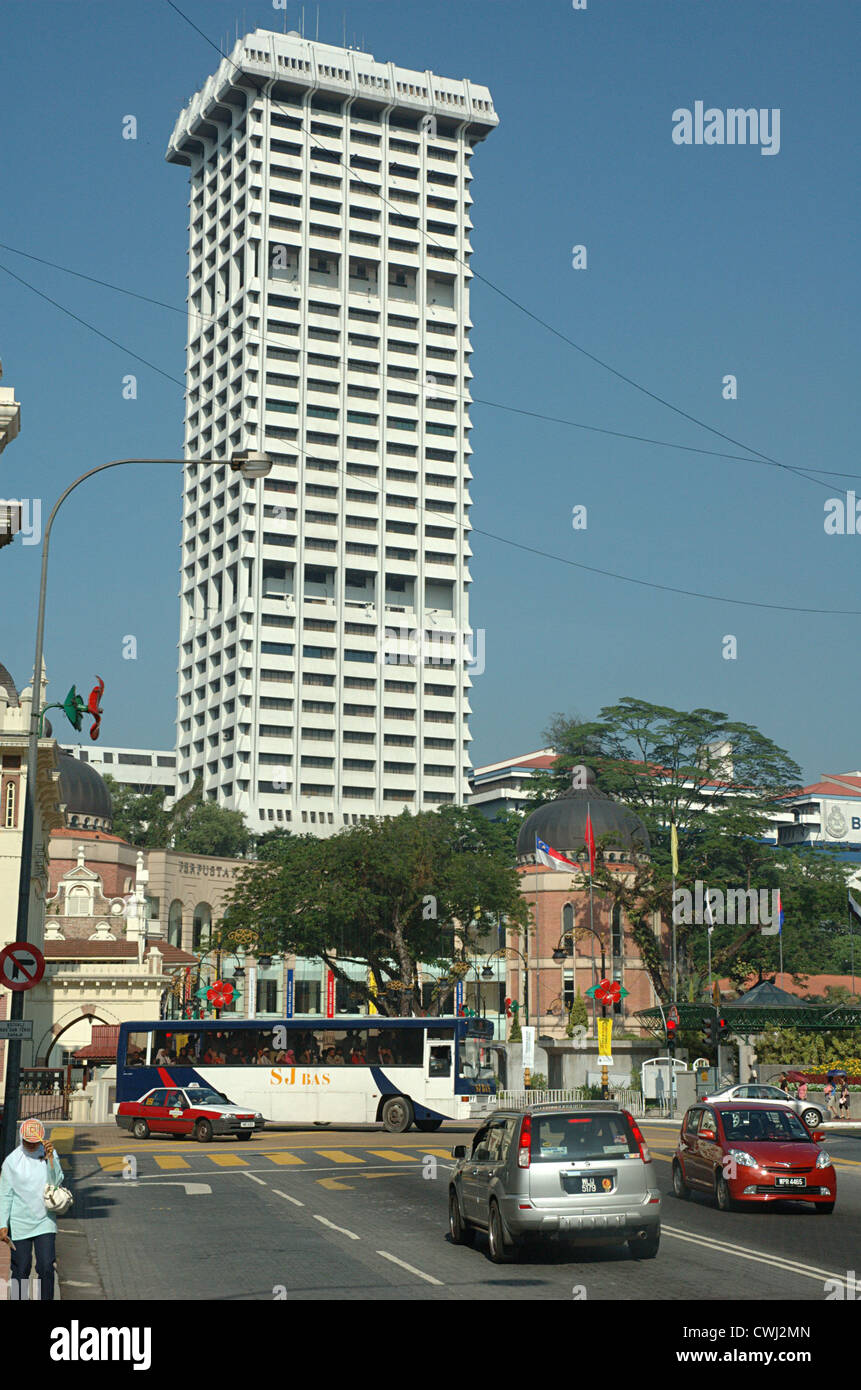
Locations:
{"points": [[627, 1098], [45, 1093]]}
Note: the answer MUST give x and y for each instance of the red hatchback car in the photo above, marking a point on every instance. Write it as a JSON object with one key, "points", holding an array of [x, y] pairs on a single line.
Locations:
{"points": [[741, 1154]]}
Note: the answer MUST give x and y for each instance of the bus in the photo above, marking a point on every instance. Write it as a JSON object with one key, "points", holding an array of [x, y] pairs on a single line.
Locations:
{"points": [[363, 1069]]}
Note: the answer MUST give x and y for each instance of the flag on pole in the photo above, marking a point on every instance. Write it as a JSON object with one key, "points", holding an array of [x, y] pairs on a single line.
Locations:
{"points": [[708, 914], [545, 854], [779, 913], [674, 848], [590, 841], [854, 907]]}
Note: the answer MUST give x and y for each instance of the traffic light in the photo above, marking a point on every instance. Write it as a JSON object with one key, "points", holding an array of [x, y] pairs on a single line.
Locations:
{"points": [[709, 1032], [723, 1029], [672, 1032]]}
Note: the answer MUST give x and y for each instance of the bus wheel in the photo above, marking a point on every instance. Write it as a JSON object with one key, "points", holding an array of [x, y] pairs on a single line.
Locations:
{"points": [[203, 1131], [397, 1114], [428, 1126]]}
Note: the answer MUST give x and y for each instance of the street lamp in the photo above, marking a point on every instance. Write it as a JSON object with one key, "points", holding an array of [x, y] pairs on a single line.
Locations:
{"points": [[487, 973], [252, 465]]}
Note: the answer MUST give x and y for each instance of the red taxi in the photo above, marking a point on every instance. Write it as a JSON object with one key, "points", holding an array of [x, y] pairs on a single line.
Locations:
{"points": [[742, 1153], [199, 1111]]}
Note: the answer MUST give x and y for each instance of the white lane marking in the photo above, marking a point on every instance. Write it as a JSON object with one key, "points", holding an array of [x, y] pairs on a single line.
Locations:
{"points": [[76, 1283], [332, 1227], [192, 1189], [722, 1247], [411, 1268], [253, 1179], [288, 1198]]}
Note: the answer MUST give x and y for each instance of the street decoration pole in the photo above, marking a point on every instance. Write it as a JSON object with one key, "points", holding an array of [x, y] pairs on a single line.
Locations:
{"points": [[254, 465]]}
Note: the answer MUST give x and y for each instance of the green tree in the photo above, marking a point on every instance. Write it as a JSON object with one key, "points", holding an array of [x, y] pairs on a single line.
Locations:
{"points": [[211, 829], [138, 817], [387, 894], [718, 781], [578, 1014]]}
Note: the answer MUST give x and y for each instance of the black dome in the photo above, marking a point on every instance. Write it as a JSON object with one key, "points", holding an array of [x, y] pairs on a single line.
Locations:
{"points": [[561, 823], [7, 684], [84, 793]]}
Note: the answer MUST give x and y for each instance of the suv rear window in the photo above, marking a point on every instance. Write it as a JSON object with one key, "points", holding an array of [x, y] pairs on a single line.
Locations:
{"points": [[573, 1138]]}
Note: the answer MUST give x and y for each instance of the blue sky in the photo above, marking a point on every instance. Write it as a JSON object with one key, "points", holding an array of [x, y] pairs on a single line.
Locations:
{"points": [[702, 261]]}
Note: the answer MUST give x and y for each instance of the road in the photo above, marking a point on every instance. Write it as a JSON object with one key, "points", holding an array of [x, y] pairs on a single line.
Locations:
{"points": [[349, 1213]]}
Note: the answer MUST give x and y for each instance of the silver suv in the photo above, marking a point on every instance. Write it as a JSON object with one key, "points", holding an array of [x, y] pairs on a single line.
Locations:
{"points": [[580, 1171]]}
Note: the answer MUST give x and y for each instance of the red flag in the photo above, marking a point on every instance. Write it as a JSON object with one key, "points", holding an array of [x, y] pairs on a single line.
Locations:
{"points": [[590, 842]]}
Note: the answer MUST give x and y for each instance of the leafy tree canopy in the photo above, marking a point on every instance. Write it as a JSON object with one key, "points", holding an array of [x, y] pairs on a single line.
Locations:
{"points": [[192, 824], [388, 894], [719, 781]]}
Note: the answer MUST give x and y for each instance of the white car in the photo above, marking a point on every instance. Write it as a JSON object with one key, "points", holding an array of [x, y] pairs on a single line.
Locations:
{"points": [[811, 1114]]}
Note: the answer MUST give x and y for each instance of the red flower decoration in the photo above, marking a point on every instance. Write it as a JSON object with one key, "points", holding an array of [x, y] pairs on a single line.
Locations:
{"points": [[220, 995]]}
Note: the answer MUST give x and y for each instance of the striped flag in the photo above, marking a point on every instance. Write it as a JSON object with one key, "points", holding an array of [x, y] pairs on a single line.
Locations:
{"points": [[708, 914], [779, 913], [552, 858], [674, 849]]}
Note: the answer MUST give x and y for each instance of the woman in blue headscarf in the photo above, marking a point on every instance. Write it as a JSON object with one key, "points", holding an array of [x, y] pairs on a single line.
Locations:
{"points": [[25, 1222]]}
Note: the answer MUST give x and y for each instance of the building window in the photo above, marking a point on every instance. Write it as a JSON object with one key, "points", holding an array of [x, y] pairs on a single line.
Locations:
{"points": [[78, 901], [9, 806], [202, 925], [568, 929], [174, 924]]}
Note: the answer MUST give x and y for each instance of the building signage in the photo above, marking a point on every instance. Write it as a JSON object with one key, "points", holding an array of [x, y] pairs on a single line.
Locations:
{"points": [[330, 994], [458, 998], [185, 866], [291, 990]]}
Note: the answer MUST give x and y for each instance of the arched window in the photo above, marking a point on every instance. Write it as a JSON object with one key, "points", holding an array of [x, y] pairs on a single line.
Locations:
{"points": [[174, 923], [78, 901], [617, 938], [202, 925], [9, 806], [568, 929]]}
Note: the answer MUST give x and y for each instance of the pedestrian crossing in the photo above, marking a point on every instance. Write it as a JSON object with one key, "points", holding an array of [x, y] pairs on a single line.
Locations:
{"points": [[115, 1163]]}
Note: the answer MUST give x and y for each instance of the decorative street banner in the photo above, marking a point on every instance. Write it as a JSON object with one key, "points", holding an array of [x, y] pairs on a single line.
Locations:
{"points": [[288, 1012], [528, 1037], [330, 994], [458, 998], [372, 984], [605, 1037]]}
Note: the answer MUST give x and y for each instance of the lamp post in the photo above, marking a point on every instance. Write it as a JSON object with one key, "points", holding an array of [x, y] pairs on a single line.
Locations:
{"points": [[487, 973], [252, 465]]}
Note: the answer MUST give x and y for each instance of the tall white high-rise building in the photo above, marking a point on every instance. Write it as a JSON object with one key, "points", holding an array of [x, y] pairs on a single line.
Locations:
{"points": [[329, 221]]}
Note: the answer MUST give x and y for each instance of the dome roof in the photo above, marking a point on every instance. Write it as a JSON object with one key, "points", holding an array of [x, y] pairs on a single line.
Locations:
{"points": [[7, 684], [84, 792], [561, 823]]}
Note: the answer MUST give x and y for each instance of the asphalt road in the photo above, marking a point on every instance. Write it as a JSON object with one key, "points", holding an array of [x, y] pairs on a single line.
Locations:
{"points": [[356, 1214]]}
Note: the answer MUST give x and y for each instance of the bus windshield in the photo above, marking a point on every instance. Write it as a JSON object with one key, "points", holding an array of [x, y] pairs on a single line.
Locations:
{"points": [[478, 1062]]}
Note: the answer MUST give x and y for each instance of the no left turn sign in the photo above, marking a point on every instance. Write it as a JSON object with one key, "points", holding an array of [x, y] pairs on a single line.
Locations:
{"points": [[21, 965]]}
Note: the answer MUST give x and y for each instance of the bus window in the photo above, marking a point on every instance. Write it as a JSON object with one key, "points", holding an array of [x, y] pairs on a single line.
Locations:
{"points": [[136, 1049], [440, 1060]]}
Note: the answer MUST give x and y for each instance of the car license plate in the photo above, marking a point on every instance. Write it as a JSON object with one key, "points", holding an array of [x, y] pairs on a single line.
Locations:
{"points": [[246, 1124], [586, 1183], [790, 1182]]}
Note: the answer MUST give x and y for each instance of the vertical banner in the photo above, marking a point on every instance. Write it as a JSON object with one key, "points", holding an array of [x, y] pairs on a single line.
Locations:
{"points": [[458, 998], [251, 1005], [372, 984], [605, 1042], [330, 994], [291, 993], [528, 1036]]}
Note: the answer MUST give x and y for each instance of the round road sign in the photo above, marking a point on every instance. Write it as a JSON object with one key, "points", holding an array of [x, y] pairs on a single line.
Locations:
{"points": [[21, 965]]}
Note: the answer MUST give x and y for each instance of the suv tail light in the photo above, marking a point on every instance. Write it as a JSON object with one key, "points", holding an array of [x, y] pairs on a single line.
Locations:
{"points": [[638, 1137], [524, 1144]]}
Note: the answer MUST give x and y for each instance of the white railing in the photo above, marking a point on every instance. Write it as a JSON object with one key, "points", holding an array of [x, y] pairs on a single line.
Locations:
{"points": [[627, 1098]]}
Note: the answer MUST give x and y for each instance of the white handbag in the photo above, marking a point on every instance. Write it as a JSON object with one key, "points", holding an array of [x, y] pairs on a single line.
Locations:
{"points": [[57, 1199]]}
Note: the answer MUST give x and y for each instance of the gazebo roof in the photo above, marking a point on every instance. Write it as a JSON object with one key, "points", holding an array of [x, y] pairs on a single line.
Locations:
{"points": [[766, 995]]}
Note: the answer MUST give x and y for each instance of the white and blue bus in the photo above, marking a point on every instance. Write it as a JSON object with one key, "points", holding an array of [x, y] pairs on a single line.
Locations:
{"points": [[363, 1069]]}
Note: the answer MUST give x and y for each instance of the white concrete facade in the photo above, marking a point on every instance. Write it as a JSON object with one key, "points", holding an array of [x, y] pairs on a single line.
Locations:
{"points": [[328, 324], [140, 769]]}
